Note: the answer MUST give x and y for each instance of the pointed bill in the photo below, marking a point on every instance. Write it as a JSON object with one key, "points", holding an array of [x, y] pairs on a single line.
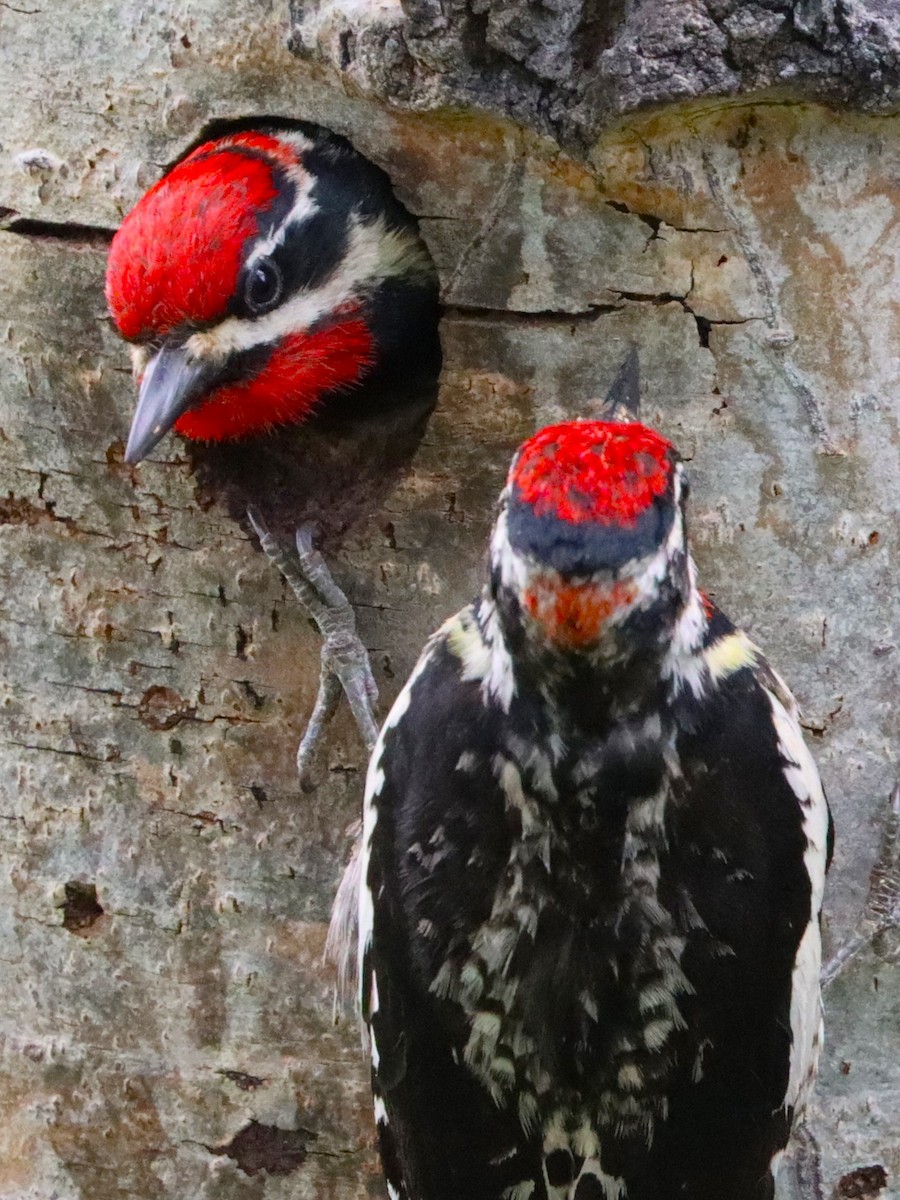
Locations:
{"points": [[623, 400], [171, 384]]}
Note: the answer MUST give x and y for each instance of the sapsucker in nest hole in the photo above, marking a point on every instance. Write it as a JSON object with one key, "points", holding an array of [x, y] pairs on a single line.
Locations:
{"points": [[593, 858], [283, 314]]}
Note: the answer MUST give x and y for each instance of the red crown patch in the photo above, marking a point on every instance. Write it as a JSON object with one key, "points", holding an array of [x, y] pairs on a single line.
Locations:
{"points": [[607, 472], [179, 251]]}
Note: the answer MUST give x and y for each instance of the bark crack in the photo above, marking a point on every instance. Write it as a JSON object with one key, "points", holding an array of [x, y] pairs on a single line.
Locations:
{"points": [[517, 317], [111, 757], [704, 324], [655, 223], [72, 233]]}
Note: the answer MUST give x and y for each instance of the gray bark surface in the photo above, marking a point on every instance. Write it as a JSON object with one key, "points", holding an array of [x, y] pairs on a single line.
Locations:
{"points": [[166, 1022], [572, 67]]}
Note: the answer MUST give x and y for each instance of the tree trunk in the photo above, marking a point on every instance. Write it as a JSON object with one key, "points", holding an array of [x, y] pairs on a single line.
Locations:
{"points": [[166, 1022]]}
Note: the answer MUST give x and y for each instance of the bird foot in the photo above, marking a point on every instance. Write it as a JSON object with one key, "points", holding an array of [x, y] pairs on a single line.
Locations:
{"points": [[345, 660], [882, 910]]}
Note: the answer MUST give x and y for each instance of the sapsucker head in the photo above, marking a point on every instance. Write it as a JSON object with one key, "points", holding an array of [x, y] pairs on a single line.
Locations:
{"points": [[589, 553], [250, 278]]}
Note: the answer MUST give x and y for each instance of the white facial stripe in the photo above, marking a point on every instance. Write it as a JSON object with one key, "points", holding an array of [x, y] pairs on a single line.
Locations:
{"points": [[373, 254], [140, 356], [684, 664], [500, 681], [304, 206]]}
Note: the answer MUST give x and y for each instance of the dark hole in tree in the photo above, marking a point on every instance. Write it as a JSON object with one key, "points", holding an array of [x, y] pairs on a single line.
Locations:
{"points": [[241, 641], [80, 908], [267, 1148], [864, 1183]]}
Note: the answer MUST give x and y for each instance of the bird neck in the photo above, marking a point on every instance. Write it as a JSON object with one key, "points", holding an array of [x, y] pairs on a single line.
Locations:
{"points": [[635, 669], [402, 316]]}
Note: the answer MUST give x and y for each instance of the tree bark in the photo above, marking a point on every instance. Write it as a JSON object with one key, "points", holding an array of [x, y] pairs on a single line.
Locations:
{"points": [[571, 68], [588, 178]]}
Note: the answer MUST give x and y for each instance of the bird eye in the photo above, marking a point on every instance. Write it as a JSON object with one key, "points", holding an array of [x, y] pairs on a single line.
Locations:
{"points": [[262, 290]]}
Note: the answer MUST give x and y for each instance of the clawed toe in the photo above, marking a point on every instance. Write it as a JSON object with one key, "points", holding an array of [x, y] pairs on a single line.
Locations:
{"points": [[345, 660]]}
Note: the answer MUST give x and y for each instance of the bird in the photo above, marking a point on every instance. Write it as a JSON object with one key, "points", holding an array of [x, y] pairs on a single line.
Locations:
{"points": [[282, 311], [592, 864]]}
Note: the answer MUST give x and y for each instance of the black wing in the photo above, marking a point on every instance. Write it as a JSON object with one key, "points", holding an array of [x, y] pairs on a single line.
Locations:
{"points": [[439, 843]]}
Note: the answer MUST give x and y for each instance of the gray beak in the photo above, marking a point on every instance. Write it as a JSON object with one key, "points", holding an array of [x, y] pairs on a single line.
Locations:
{"points": [[171, 384], [623, 400]]}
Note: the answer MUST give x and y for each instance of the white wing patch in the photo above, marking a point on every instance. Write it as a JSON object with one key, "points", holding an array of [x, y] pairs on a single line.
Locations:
{"points": [[806, 1002]]}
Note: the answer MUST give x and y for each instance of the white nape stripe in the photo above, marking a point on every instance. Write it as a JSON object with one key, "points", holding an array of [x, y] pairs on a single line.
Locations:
{"points": [[500, 681], [648, 574], [806, 1002], [684, 664], [374, 253], [293, 137]]}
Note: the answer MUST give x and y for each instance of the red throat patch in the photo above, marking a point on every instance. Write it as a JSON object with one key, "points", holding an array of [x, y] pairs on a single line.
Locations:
{"points": [[607, 472], [178, 253], [574, 615], [301, 369]]}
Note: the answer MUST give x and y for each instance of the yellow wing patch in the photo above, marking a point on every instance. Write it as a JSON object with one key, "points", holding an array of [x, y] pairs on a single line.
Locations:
{"points": [[465, 640], [730, 654]]}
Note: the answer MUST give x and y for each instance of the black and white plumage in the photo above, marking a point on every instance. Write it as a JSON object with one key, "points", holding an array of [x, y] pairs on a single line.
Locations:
{"points": [[593, 858]]}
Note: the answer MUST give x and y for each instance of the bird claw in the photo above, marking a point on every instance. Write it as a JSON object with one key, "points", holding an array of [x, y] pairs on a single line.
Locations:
{"points": [[348, 661], [882, 910], [345, 660], [345, 667]]}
